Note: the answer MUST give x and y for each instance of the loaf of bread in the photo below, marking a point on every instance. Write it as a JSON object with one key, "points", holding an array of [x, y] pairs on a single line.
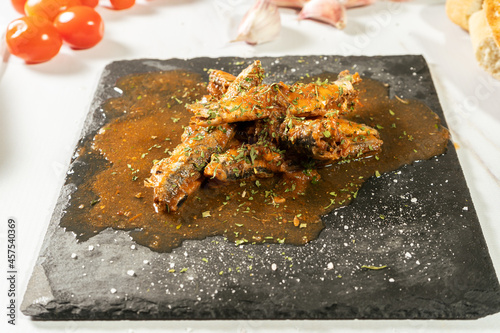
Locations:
{"points": [[459, 11], [484, 28]]}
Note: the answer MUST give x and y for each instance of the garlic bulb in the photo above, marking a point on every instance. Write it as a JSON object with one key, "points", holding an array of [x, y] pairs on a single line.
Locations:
{"points": [[261, 24], [327, 11]]}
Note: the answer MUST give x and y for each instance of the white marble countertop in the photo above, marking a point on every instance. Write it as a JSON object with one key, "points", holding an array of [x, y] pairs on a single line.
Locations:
{"points": [[42, 109]]}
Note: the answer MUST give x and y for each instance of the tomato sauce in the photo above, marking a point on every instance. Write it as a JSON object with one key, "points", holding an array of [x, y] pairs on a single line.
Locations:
{"points": [[148, 123]]}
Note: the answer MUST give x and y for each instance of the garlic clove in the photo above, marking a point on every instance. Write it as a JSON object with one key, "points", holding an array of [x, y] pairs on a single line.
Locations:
{"points": [[357, 3], [261, 24], [289, 3], [328, 11]]}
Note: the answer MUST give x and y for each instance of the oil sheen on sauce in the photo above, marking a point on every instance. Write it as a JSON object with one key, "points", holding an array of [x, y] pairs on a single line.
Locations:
{"points": [[147, 122]]}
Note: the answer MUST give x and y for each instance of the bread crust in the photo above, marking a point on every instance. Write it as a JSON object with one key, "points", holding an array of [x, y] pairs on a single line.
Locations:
{"points": [[459, 11], [492, 12]]}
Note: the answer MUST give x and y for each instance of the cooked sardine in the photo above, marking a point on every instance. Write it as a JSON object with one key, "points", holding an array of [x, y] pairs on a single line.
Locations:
{"points": [[260, 160], [328, 138], [176, 177]]}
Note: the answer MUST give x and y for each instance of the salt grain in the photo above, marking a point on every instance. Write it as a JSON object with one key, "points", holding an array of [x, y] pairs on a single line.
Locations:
{"points": [[113, 290], [131, 272]]}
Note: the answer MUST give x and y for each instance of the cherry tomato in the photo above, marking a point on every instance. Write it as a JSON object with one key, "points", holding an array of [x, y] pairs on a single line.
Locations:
{"points": [[90, 3], [18, 5], [122, 4], [81, 27], [48, 8], [33, 39]]}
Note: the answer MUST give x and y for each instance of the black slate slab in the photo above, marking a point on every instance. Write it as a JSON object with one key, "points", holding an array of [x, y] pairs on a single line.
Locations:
{"points": [[430, 239]]}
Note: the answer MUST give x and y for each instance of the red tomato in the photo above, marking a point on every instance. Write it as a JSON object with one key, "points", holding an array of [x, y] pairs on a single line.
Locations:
{"points": [[48, 8], [81, 27], [33, 38], [90, 3], [18, 5], [122, 4]]}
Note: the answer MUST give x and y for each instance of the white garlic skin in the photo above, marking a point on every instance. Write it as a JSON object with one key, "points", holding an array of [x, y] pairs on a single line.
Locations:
{"points": [[261, 24]]}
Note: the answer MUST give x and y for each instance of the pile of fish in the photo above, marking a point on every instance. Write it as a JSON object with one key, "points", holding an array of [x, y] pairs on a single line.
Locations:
{"points": [[246, 129]]}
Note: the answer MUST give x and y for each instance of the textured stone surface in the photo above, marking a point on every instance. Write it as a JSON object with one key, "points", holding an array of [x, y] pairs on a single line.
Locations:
{"points": [[430, 239]]}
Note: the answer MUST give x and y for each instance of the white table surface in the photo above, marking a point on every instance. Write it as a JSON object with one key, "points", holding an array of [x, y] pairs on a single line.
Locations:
{"points": [[42, 109]]}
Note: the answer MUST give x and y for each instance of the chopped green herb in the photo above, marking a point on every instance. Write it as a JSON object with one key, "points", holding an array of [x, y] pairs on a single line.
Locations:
{"points": [[332, 202], [375, 268]]}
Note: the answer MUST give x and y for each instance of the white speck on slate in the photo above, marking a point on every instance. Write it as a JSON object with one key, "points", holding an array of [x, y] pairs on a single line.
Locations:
{"points": [[391, 280], [73, 256], [113, 290], [330, 265], [274, 267], [131, 272], [91, 247], [413, 200]]}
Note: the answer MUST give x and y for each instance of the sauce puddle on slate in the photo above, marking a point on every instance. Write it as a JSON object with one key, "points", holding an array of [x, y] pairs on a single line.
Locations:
{"points": [[147, 123]]}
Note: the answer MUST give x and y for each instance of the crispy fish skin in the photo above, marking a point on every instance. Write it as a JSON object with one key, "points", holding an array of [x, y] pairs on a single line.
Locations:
{"points": [[218, 83], [260, 160], [250, 77], [176, 177], [206, 111], [328, 138], [257, 103], [363, 140], [321, 98]]}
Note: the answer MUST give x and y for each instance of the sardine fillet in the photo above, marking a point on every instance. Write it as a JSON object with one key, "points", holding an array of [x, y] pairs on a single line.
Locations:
{"points": [[176, 177]]}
